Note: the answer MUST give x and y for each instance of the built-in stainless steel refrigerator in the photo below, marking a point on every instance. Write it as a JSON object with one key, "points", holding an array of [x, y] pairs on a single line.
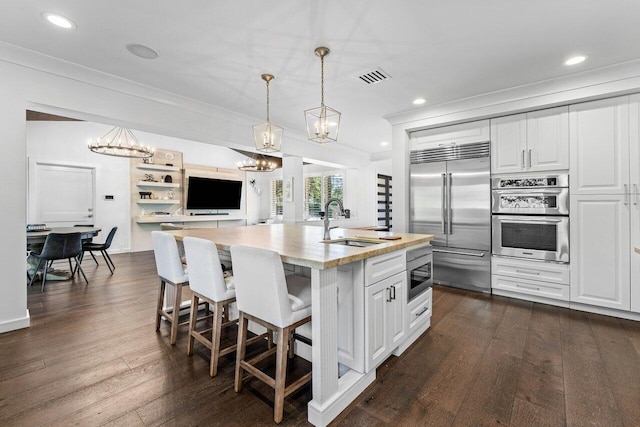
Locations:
{"points": [[450, 197]]}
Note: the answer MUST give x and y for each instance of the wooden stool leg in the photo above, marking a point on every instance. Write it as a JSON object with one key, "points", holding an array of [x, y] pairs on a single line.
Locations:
{"points": [[192, 322], [215, 339], [291, 343], [159, 305], [281, 373], [206, 309], [241, 349], [269, 339], [175, 316], [226, 313]]}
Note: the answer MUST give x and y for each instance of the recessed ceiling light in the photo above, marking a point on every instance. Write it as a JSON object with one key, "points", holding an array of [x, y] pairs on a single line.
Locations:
{"points": [[59, 20], [419, 101], [575, 60], [383, 143], [142, 51]]}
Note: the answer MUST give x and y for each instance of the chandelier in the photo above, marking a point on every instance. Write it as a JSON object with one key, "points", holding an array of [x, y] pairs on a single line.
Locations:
{"points": [[322, 122], [256, 163], [268, 136], [120, 142]]}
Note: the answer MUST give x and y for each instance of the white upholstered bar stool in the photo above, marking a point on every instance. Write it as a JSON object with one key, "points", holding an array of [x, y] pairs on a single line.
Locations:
{"points": [[171, 271], [278, 302], [207, 283]]}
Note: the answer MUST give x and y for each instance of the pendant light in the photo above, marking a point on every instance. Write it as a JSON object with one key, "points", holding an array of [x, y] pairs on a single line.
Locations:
{"points": [[256, 163], [323, 122], [268, 136], [120, 142]]}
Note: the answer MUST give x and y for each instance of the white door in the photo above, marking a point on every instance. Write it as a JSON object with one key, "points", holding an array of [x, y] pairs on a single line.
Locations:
{"points": [[548, 139], [61, 195], [599, 141], [397, 317], [600, 254], [376, 311], [508, 144], [634, 136]]}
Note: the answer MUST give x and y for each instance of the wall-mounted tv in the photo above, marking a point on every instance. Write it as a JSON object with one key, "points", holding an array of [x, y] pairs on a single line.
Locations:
{"points": [[209, 193]]}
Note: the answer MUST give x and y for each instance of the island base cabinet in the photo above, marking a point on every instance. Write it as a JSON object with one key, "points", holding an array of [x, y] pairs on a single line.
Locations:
{"points": [[385, 303], [600, 250]]}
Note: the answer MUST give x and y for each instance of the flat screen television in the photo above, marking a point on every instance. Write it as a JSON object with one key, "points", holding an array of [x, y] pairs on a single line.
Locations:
{"points": [[209, 193]]}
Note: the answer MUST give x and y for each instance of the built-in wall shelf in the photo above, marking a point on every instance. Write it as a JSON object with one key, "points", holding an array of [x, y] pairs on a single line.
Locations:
{"points": [[158, 184], [152, 167], [188, 218], [157, 202]]}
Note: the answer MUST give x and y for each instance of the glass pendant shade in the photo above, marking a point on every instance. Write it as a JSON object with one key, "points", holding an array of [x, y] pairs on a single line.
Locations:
{"points": [[268, 137], [323, 122], [120, 142]]}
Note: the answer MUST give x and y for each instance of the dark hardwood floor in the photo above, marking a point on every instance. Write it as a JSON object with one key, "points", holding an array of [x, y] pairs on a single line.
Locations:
{"points": [[92, 357]]}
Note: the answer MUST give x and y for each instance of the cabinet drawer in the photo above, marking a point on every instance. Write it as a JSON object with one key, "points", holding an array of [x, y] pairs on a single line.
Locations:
{"points": [[383, 266], [532, 270], [531, 287], [419, 310]]}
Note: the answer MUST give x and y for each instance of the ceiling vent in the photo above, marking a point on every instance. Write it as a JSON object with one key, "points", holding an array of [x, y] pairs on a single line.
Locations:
{"points": [[375, 76]]}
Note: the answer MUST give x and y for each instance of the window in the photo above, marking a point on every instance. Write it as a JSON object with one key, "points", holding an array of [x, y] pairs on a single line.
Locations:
{"points": [[276, 198], [318, 189], [384, 201]]}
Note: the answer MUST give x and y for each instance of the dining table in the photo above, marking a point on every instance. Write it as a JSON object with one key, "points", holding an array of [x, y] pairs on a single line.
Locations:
{"points": [[36, 239]]}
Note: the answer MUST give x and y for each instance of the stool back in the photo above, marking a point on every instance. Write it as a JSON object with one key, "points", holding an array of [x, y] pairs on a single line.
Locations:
{"points": [[205, 272], [261, 287], [168, 263]]}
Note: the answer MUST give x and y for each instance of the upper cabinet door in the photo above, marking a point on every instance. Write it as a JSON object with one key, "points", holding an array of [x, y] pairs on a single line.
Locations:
{"points": [[634, 146], [548, 139], [599, 146], [509, 144], [465, 133]]}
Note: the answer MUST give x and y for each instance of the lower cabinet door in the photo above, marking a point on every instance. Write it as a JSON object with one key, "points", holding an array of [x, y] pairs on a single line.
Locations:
{"points": [[385, 314], [377, 299], [600, 250]]}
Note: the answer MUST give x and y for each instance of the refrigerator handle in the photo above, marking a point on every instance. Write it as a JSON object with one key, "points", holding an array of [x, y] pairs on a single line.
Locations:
{"points": [[443, 208], [449, 210], [522, 161]]}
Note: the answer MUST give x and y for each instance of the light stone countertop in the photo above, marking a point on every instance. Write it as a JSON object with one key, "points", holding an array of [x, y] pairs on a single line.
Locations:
{"points": [[302, 245]]}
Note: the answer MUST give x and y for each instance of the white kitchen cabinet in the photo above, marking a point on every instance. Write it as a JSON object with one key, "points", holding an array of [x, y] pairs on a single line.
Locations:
{"points": [[634, 150], [600, 147], [532, 142], [465, 133], [600, 250], [385, 328]]}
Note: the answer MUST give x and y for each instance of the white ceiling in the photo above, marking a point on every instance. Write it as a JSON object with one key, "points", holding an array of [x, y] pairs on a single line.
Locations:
{"points": [[215, 51]]}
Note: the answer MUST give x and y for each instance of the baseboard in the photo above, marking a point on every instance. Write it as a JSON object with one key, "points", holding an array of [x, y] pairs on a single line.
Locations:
{"points": [[412, 338], [605, 311], [350, 385], [532, 298], [15, 324]]}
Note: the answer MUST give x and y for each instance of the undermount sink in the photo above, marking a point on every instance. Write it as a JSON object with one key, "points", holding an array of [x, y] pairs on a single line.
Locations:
{"points": [[358, 243]]}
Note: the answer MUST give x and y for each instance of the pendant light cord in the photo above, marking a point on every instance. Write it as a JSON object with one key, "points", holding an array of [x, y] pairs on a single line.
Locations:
{"points": [[322, 81], [267, 101]]}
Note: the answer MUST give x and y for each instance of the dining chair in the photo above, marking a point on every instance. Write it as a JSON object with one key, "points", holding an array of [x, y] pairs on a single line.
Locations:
{"points": [[102, 248], [172, 272], [59, 246], [280, 303]]}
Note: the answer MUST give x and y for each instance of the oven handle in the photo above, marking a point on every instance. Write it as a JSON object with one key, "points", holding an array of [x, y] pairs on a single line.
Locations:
{"points": [[527, 221], [444, 251]]}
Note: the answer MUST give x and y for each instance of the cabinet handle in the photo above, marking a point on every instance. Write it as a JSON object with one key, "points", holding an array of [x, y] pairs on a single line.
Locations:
{"points": [[423, 311], [522, 161], [535, 273], [635, 194], [388, 294], [527, 287], [393, 294], [529, 157], [626, 194]]}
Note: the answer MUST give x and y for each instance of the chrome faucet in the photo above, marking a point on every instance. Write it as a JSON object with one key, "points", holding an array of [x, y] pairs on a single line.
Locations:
{"points": [[327, 234]]}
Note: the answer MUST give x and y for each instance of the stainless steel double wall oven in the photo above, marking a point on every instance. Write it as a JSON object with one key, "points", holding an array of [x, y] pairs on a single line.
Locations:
{"points": [[531, 217]]}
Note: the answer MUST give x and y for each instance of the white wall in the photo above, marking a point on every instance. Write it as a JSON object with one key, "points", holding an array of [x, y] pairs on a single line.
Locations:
{"points": [[67, 142]]}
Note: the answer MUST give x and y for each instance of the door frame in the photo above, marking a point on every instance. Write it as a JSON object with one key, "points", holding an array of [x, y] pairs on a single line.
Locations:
{"points": [[32, 179]]}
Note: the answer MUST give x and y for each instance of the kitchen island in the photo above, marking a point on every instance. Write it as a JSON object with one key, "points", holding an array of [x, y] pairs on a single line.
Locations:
{"points": [[302, 247]]}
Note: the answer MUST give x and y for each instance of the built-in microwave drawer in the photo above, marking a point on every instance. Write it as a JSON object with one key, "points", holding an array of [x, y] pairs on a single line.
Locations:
{"points": [[531, 287], [534, 270], [419, 310]]}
